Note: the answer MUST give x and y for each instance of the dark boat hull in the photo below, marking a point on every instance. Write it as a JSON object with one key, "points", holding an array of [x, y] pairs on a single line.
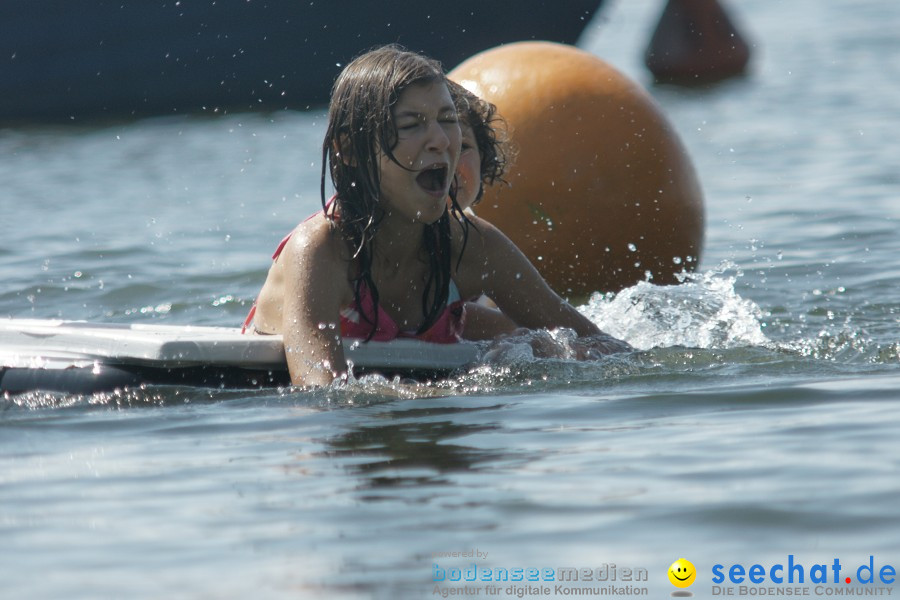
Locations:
{"points": [[64, 60]]}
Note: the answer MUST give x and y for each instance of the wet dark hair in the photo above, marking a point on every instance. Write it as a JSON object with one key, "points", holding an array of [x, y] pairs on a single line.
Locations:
{"points": [[360, 125], [489, 130]]}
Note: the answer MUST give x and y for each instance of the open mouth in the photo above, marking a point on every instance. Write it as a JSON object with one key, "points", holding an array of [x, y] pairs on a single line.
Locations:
{"points": [[433, 178]]}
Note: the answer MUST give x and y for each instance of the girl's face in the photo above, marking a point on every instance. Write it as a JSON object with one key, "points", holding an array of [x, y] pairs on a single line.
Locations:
{"points": [[427, 148], [468, 171]]}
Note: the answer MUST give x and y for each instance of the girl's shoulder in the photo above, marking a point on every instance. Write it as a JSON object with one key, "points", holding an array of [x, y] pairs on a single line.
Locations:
{"points": [[483, 237], [316, 239], [486, 252]]}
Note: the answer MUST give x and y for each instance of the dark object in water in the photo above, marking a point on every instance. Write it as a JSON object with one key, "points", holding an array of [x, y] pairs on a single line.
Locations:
{"points": [[65, 60], [695, 42]]}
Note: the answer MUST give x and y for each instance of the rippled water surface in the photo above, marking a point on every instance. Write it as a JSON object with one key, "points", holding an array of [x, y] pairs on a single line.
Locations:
{"points": [[758, 418]]}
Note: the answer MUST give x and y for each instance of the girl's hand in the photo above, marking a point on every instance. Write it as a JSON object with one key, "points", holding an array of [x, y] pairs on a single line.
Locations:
{"points": [[563, 344], [593, 347]]}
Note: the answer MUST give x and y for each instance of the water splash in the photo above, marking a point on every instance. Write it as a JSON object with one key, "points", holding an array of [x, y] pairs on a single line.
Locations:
{"points": [[704, 311], [846, 342]]}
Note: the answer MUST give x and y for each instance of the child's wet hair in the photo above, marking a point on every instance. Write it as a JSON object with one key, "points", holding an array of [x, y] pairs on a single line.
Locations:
{"points": [[360, 126], [489, 131], [360, 121]]}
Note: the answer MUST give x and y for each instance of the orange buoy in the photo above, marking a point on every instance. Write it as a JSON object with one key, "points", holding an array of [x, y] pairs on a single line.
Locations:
{"points": [[601, 193]]}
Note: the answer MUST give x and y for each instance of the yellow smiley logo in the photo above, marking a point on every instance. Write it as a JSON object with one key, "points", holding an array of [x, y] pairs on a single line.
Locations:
{"points": [[682, 573]]}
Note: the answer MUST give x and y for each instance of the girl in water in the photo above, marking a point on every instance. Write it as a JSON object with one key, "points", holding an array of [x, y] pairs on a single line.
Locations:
{"points": [[482, 161], [485, 154], [386, 258]]}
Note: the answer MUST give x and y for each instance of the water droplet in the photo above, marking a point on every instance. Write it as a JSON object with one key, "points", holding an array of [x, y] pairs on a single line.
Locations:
{"points": [[632, 247]]}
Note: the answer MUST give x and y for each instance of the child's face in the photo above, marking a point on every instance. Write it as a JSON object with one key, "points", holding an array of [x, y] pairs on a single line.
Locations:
{"points": [[427, 148], [468, 171]]}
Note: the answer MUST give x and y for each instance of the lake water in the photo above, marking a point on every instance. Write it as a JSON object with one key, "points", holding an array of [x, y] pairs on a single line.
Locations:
{"points": [[758, 420]]}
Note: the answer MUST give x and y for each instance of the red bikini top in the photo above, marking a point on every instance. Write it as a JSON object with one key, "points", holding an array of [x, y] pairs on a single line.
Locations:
{"points": [[447, 329]]}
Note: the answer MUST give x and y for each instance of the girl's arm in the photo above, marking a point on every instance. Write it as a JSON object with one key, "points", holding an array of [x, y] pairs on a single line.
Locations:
{"points": [[485, 322], [508, 278], [313, 293]]}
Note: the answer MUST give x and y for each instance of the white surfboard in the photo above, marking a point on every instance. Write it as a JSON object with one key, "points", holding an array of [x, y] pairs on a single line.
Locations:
{"points": [[82, 357]]}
